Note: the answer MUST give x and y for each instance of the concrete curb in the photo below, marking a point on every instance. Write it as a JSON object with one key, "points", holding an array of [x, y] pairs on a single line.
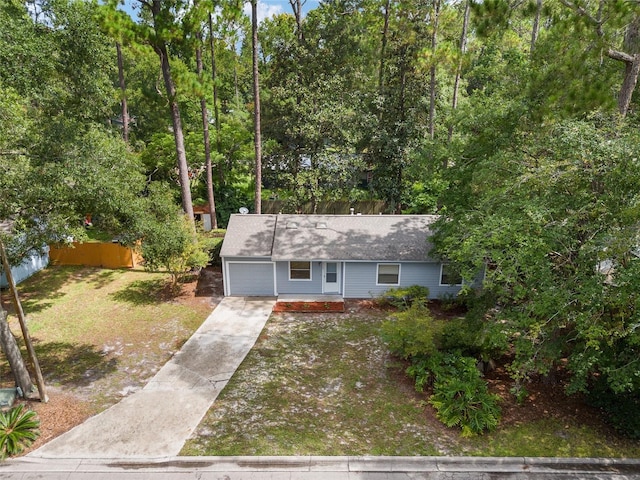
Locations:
{"points": [[498, 465]]}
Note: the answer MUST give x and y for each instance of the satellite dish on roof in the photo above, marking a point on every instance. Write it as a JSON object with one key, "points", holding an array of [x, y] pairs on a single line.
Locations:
{"points": [[243, 210]]}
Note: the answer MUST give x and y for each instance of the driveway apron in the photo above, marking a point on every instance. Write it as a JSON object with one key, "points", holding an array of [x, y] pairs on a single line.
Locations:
{"points": [[157, 420]]}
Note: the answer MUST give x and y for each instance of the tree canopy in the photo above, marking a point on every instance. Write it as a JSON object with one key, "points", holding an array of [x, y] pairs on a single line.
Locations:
{"points": [[517, 122]]}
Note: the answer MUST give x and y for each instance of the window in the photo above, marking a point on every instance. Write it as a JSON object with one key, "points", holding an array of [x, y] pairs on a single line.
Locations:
{"points": [[299, 270], [388, 274], [331, 272], [448, 276]]}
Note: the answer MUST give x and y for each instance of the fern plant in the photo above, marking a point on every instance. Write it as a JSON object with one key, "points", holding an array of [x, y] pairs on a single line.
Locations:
{"points": [[461, 398], [18, 430]]}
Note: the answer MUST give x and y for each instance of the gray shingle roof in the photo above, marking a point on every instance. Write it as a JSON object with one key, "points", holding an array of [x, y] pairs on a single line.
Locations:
{"points": [[330, 237], [249, 236]]}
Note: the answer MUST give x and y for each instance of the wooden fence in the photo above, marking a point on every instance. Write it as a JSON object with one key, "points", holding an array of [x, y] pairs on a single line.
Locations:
{"points": [[338, 207], [92, 254]]}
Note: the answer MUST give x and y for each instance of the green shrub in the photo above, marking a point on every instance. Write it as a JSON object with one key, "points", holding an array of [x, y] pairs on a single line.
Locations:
{"points": [[18, 429], [214, 239], [423, 369], [461, 398], [621, 409], [474, 337], [412, 333], [403, 297]]}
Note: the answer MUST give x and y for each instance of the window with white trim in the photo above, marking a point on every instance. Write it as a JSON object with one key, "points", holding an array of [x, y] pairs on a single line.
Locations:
{"points": [[299, 270], [448, 276], [388, 274]]}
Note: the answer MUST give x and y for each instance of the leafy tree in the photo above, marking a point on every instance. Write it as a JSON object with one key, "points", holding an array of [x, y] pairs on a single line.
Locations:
{"points": [[563, 206], [160, 27], [167, 238], [615, 28]]}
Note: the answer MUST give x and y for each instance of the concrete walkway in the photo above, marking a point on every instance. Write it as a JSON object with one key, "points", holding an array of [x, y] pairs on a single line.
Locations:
{"points": [[322, 468], [156, 421]]}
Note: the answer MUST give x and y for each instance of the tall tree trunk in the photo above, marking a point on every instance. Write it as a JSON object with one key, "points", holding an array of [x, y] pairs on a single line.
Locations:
{"points": [[632, 65], [383, 46], [12, 352], [631, 72], [630, 57], [296, 6], [256, 108], [178, 135], [214, 80], [160, 47], [432, 81], [216, 108], [463, 50], [536, 26], [23, 326], [205, 134], [123, 93]]}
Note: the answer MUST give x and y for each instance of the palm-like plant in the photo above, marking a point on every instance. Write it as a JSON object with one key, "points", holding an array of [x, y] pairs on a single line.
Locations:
{"points": [[18, 429]]}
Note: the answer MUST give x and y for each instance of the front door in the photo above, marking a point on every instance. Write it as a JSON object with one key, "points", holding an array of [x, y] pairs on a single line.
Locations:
{"points": [[331, 277]]}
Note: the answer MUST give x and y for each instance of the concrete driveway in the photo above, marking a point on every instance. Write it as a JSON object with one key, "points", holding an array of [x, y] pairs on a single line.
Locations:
{"points": [[157, 420]]}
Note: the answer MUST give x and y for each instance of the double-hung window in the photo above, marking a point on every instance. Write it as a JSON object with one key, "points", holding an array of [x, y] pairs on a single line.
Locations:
{"points": [[299, 270], [388, 274]]}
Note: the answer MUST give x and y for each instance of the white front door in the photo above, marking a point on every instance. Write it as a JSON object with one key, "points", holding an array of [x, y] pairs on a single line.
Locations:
{"points": [[331, 277]]}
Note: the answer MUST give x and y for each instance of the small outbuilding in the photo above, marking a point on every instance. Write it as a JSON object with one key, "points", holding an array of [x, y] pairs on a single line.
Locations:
{"points": [[32, 262], [351, 256]]}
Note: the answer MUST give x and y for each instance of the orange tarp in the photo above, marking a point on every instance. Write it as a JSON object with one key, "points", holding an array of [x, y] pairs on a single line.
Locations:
{"points": [[91, 254]]}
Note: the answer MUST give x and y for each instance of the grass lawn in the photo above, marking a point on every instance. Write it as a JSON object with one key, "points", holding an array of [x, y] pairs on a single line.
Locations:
{"points": [[101, 334], [324, 384]]}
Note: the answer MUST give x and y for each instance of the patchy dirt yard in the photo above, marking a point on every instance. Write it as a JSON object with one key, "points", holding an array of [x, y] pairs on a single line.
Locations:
{"points": [[325, 384], [120, 352], [315, 383]]}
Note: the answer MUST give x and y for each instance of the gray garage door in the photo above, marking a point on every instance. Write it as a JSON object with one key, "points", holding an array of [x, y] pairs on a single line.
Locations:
{"points": [[251, 279]]}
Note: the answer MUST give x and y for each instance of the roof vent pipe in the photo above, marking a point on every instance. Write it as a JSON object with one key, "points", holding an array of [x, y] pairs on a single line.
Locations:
{"points": [[352, 210]]}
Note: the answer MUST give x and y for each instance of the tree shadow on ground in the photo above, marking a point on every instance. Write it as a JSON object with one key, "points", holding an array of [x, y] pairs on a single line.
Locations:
{"points": [[102, 278], [73, 364], [209, 282], [144, 292], [43, 289]]}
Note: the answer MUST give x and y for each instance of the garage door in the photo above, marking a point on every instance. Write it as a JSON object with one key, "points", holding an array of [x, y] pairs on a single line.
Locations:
{"points": [[251, 279]]}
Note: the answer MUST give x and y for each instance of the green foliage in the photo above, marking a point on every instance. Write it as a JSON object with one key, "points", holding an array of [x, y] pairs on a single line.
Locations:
{"points": [[563, 208], [404, 297], [621, 408], [168, 240], [214, 244], [423, 197], [412, 333], [229, 199], [18, 429], [461, 398], [474, 336], [439, 355], [173, 248]]}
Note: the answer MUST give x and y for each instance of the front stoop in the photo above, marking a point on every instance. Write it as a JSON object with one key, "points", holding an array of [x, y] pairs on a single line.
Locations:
{"points": [[309, 303]]}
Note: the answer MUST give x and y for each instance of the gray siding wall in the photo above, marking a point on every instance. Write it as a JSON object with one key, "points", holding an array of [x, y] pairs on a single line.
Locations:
{"points": [[360, 280], [299, 287], [251, 277]]}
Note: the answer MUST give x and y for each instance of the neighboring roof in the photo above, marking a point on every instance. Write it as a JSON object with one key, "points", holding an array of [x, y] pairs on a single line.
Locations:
{"points": [[6, 226], [330, 237], [249, 236], [201, 208]]}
